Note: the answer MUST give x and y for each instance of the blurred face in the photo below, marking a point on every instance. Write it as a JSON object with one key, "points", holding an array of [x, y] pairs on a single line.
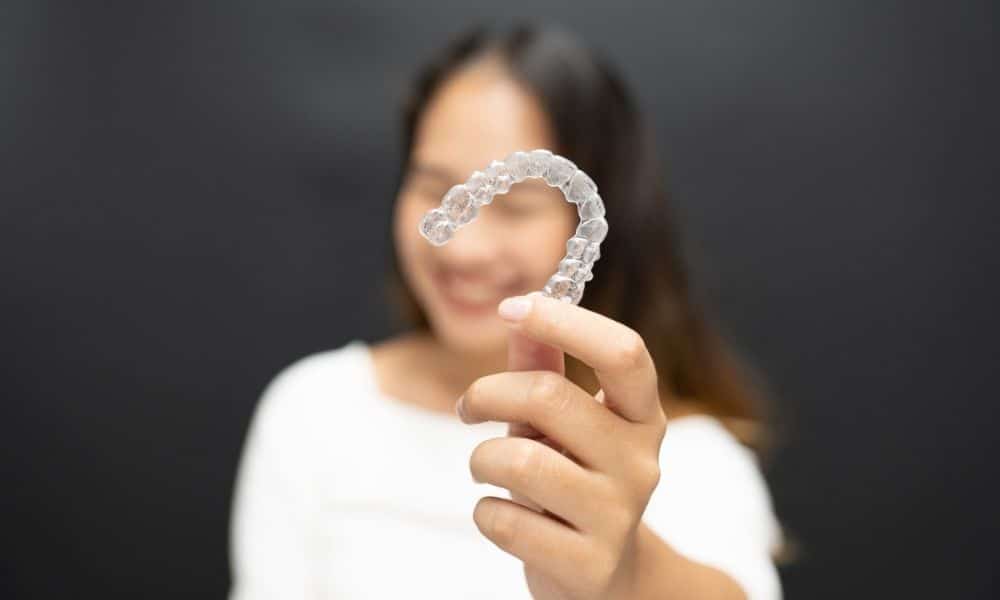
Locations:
{"points": [[478, 115]]}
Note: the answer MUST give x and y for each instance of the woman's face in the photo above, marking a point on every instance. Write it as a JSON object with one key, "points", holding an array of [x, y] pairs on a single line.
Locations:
{"points": [[512, 247]]}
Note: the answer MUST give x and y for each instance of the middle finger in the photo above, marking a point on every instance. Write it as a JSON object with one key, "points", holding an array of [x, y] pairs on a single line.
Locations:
{"points": [[556, 407]]}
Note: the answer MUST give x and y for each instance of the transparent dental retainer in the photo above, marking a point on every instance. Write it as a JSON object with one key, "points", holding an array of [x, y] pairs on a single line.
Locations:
{"points": [[460, 206]]}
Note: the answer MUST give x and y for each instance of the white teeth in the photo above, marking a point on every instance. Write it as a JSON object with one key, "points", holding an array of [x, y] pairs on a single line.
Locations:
{"points": [[460, 206], [468, 292]]}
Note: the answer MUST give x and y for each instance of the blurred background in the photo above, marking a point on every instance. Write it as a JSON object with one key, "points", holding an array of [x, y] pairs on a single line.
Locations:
{"points": [[194, 194]]}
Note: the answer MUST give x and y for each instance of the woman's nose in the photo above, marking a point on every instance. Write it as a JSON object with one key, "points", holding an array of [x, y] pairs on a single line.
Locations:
{"points": [[474, 244]]}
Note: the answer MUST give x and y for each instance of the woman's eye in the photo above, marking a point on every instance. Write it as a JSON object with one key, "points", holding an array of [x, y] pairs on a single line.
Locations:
{"points": [[432, 194], [428, 192]]}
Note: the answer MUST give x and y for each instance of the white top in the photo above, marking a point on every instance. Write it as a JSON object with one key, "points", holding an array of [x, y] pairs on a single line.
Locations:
{"points": [[346, 493]]}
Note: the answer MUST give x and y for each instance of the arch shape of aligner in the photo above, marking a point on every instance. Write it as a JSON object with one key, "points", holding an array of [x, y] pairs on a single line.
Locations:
{"points": [[460, 206]]}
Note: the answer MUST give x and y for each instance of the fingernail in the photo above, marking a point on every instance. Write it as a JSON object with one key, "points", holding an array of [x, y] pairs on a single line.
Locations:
{"points": [[458, 407], [515, 308]]}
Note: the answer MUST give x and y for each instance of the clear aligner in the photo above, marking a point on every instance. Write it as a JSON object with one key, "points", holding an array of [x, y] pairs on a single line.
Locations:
{"points": [[460, 206]]}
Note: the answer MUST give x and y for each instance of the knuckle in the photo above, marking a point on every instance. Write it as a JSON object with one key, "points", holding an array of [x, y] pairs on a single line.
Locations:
{"points": [[548, 391], [661, 416], [526, 462], [648, 475], [661, 429], [631, 352]]}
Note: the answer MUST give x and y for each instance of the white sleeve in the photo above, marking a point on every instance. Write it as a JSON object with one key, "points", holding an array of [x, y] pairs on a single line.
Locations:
{"points": [[712, 505], [274, 501]]}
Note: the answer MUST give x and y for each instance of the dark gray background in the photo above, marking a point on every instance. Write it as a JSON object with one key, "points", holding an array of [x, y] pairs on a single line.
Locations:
{"points": [[193, 194]]}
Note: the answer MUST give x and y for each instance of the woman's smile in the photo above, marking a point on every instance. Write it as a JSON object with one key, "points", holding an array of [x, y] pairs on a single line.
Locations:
{"points": [[469, 295]]}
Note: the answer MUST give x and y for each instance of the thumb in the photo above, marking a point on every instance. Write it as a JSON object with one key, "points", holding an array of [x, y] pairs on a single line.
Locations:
{"points": [[527, 354]]}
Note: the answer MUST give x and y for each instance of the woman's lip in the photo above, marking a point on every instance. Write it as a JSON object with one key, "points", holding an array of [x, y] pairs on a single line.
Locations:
{"points": [[458, 304], [464, 306]]}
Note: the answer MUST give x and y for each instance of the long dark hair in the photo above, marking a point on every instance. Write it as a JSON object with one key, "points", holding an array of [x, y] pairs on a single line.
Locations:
{"points": [[641, 279]]}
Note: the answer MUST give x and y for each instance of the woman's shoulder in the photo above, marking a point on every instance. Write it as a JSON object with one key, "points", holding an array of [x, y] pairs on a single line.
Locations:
{"points": [[312, 390], [307, 390], [709, 437], [314, 373]]}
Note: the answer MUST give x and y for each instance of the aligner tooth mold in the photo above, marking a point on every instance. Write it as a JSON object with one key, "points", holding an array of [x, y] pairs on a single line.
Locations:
{"points": [[460, 206]]}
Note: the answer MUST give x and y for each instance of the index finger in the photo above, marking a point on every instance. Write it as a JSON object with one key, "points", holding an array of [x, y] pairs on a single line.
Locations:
{"points": [[616, 352]]}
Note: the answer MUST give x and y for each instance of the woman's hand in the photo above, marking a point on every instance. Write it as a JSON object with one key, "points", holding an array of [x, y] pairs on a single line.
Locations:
{"points": [[580, 468]]}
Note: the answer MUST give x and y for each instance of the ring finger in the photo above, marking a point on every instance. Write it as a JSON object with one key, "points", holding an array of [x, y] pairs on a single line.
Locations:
{"points": [[541, 474]]}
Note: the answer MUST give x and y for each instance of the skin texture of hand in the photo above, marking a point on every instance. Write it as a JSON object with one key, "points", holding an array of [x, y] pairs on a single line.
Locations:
{"points": [[580, 468]]}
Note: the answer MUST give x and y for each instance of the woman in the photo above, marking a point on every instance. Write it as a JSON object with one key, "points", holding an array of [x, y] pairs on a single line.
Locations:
{"points": [[554, 475]]}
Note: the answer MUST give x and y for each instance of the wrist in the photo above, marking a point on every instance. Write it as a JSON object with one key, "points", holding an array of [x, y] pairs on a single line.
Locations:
{"points": [[659, 572]]}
